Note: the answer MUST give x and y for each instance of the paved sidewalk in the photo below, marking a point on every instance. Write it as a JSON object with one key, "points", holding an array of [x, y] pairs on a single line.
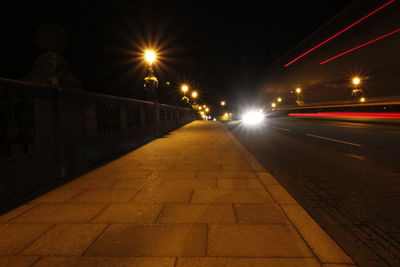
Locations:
{"points": [[195, 197]]}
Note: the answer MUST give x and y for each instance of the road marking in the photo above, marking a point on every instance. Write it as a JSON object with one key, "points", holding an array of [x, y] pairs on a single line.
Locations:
{"points": [[334, 140], [279, 128]]}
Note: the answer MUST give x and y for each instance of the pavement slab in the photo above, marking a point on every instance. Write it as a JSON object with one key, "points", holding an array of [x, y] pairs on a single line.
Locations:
{"points": [[194, 197], [105, 262], [247, 262], [123, 240]]}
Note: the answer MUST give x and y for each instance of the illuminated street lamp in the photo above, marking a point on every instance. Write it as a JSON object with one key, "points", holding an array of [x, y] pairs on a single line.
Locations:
{"points": [[357, 92], [185, 89], [362, 99], [356, 81], [279, 99], [223, 103], [207, 109], [194, 96], [299, 100], [150, 81], [273, 105]]}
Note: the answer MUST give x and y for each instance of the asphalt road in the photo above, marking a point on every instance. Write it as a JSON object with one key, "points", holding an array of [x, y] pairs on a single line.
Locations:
{"points": [[346, 175]]}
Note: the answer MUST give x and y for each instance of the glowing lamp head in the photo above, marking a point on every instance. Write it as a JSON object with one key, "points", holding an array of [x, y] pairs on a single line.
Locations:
{"points": [[184, 88], [223, 103], [252, 117], [356, 81], [273, 105], [362, 99], [150, 56], [207, 109], [200, 108], [298, 90], [194, 94], [279, 99]]}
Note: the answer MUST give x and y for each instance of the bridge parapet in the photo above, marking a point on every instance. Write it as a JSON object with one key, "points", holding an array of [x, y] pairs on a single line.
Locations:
{"points": [[50, 134]]}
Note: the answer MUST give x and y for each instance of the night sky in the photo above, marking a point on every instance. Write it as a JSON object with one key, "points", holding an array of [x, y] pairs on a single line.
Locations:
{"points": [[219, 47]]}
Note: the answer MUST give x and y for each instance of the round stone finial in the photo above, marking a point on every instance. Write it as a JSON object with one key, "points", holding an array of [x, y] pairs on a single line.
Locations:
{"points": [[51, 38]]}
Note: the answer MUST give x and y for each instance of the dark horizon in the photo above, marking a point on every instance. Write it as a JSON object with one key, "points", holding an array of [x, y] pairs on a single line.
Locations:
{"points": [[218, 47]]}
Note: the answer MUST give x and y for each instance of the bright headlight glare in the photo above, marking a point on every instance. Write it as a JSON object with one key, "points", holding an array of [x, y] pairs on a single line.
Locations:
{"points": [[253, 117]]}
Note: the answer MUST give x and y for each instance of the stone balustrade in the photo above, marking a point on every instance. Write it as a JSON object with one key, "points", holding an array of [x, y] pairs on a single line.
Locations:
{"points": [[49, 135]]}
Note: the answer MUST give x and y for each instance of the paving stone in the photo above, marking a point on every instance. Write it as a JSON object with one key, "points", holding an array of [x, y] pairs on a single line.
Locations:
{"points": [[239, 183], [320, 242], [163, 196], [137, 183], [231, 196], [17, 261], [58, 195], [267, 178], [339, 265], [259, 213], [155, 167], [197, 167], [189, 183], [247, 262], [280, 194], [197, 213], [105, 196], [129, 213], [65, 239], [105, 262], [59, 213], [237, 167], [272, 240], [175, 174], [15, 212], [91, 183], [226, 174], [15, 237], [119, 172], [152, 240]]}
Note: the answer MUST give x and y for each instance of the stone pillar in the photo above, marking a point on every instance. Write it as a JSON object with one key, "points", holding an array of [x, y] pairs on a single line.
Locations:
{"points": [[50, 68]]}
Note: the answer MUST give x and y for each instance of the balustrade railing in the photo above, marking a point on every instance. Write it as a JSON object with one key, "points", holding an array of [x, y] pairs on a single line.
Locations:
{"points": [[50, 134]]}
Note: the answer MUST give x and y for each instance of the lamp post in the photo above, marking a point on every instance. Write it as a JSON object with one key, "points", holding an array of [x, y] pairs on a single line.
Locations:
{"points": [[185, 89], [299, 100], [357, 92], [150, 81], [194, 96]]}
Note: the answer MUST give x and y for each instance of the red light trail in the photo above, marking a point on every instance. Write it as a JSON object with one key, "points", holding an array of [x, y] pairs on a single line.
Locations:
{"points": [[350, 114], [361, 45], [339, 33]]}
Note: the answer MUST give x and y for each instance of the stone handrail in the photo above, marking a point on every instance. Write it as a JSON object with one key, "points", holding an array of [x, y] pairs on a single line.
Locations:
{"points": [[49, 135]]}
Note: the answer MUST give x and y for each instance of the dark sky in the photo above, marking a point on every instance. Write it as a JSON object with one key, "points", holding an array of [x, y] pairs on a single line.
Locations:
{"points": [[220, 47]]}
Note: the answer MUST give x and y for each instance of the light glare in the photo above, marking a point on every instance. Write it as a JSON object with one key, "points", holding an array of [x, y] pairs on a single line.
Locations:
{"points": [[252, 117]]}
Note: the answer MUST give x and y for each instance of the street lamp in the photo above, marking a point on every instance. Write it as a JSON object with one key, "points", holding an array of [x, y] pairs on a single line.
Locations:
{"points": [[223, 103], [299, 100], [185, 89], [357, 92], [356, 81], [150, 81], [273, 105], [194, 96], [279, 99]]}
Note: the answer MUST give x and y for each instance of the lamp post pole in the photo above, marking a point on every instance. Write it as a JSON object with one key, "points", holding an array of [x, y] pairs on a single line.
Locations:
{"points": [[150, 81]]}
